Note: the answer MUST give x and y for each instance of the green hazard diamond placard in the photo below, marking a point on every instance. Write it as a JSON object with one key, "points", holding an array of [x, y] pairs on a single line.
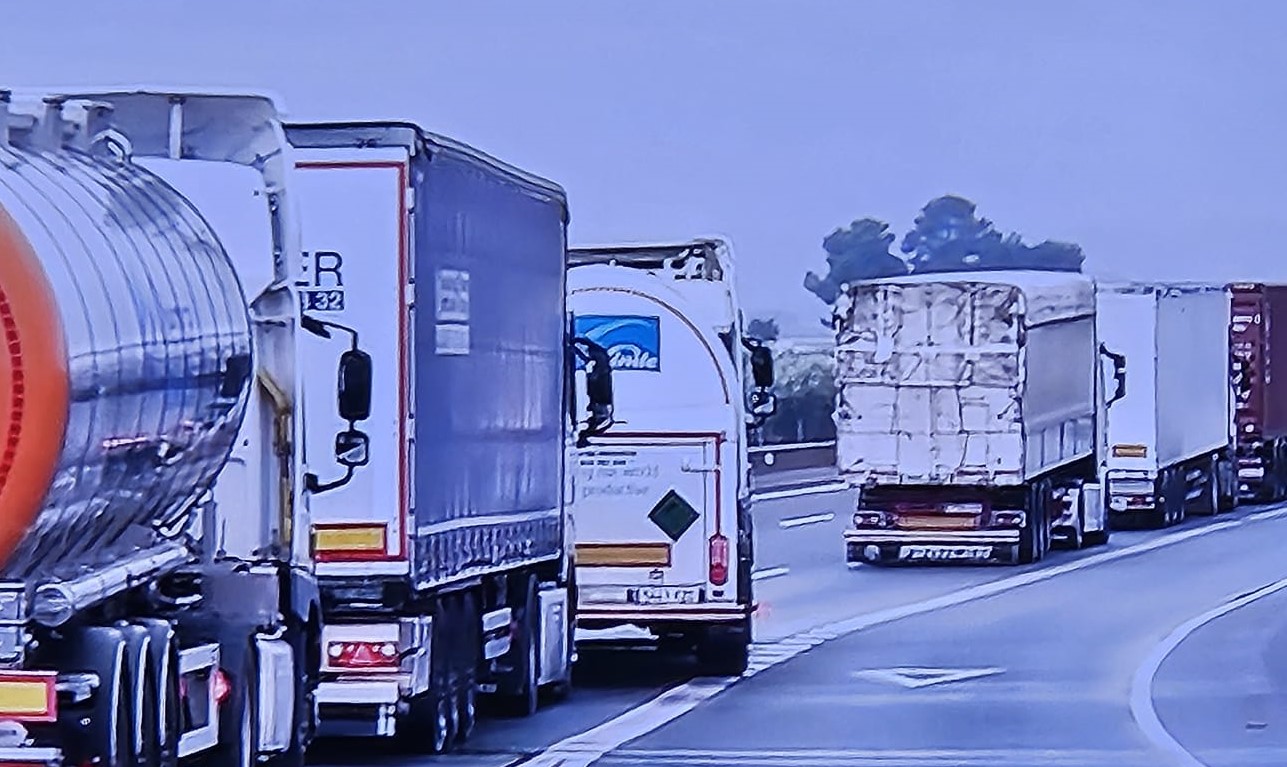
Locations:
{"points": [[673, 515]]}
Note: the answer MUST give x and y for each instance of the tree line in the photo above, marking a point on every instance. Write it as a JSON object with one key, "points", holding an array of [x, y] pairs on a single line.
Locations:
{"points": [[947, 236]]}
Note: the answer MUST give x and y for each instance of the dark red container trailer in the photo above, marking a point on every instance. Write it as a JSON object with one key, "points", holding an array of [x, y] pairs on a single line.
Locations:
{"points": [[1258, 350]]}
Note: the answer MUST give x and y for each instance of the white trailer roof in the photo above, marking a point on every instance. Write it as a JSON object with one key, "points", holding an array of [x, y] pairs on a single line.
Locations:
{"points": [[1049, 296]]}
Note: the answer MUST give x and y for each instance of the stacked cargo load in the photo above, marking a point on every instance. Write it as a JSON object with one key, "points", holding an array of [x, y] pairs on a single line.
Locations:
{"points": [[968, 415]]}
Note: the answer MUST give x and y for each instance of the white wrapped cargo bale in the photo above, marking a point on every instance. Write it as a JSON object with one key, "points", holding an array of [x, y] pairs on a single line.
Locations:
{"points": [[986, 378]]}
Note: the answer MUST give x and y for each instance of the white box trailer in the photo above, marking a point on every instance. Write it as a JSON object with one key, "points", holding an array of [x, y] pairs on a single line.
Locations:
{"points": [[1170, 434], [969, 415]]}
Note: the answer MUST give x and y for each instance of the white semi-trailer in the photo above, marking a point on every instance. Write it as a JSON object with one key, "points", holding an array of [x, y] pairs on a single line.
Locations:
{"points": [[1170, 437], [446, 562], [663, 520], [156, 598], [971, 415]]}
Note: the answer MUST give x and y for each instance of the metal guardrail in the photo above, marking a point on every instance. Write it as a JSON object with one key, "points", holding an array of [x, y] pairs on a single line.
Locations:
{"points": [[766, 459]]}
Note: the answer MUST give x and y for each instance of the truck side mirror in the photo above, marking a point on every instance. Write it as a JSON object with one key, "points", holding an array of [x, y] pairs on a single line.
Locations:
{"points": [[762, 367], [352, 448], [1119, 374], [354, 390], [598, 385]]}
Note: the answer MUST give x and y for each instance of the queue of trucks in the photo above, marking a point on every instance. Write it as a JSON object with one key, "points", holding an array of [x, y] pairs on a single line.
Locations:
{"points": [[984, 416], [323, 429], [313, 429]]}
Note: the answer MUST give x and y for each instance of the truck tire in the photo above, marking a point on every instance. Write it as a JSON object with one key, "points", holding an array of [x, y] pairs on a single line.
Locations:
{"points": [[467, 689], [239, 716], [1226, 490], [725, 650], [1209, 505], [1162, 513], [426, 728], [1034, 539], [525, 698]]}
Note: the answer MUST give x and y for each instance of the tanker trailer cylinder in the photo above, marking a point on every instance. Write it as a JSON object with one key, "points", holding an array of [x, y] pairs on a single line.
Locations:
{"points": [[125, 364]]}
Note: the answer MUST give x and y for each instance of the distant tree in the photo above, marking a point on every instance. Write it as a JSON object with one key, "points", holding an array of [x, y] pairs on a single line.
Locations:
{"points": [[806, 398], [859, 252], [1061, 256], [950, 236], [765, 329]]}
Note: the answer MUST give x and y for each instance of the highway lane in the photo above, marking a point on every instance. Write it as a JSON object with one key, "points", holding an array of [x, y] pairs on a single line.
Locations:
{"points": [[1221, 693], [1043, 674], [817, 588], [611, 681]]}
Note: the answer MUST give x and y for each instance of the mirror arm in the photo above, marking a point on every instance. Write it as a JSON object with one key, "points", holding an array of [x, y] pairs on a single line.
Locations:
{"points": [[317, 487], [318, 327]]}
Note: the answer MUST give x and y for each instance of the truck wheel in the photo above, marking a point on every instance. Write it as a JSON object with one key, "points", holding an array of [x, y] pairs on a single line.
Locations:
{"points": [[426, 729], [1034, 539], [1160, 515], [1228, 483], [1210, 505], [119, 750], [725, 650], [526, 698], [467, 689], [238, 719]]}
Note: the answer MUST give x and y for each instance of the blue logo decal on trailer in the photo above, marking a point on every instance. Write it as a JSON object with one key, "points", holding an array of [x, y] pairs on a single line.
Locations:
{"points": [[633, 343]]}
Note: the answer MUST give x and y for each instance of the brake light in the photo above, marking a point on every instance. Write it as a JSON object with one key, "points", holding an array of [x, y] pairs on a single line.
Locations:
{"points": [[719, 560], [222, 686], [363, 655]]}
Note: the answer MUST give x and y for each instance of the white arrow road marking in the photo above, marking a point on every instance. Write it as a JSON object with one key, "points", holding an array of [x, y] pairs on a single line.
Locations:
{"points": [[916, 678]]}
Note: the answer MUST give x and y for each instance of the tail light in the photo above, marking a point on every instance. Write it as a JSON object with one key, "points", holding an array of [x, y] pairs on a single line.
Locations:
{"points": [[1008, 518], [363, 655], [719, 560], [222, 686], [870, 519]]}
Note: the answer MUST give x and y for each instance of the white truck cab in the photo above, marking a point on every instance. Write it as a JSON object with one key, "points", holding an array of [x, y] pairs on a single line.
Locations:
{"points": [[662, 512]]}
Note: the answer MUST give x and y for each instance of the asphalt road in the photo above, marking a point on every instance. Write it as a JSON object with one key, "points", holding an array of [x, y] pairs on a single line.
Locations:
{"points": [[998, 666]]}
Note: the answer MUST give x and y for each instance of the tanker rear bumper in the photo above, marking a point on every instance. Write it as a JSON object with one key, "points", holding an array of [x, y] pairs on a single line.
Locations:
{"points": [[907, 546], [31, 755], [600, 616]]}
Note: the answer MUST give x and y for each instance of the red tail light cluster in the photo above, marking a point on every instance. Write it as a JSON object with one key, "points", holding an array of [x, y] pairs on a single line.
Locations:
{"points": [[222, 686], [719, 560], [362, 655]]}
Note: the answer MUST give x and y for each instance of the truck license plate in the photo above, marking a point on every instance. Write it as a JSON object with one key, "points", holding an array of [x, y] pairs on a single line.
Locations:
{"points": [[662, 595], [944, 553]]}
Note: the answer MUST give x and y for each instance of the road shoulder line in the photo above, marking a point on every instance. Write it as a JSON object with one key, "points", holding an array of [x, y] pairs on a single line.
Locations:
{"points": [[1142, 708]]}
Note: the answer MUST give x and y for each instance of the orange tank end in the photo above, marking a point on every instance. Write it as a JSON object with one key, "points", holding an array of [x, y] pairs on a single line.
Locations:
{"points": [[33, 386]]}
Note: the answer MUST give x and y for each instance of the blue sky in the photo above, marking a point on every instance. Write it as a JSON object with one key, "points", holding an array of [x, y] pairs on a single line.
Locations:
{"points": [[1151, 133]]}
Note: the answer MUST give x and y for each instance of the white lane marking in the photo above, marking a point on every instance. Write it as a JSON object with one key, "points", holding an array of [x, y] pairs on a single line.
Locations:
{"points": [[1142, 685], [812, 519], [588, 747], [916, 678], [933, 757], [769, 572], [797, 492], [1270, 514]]}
